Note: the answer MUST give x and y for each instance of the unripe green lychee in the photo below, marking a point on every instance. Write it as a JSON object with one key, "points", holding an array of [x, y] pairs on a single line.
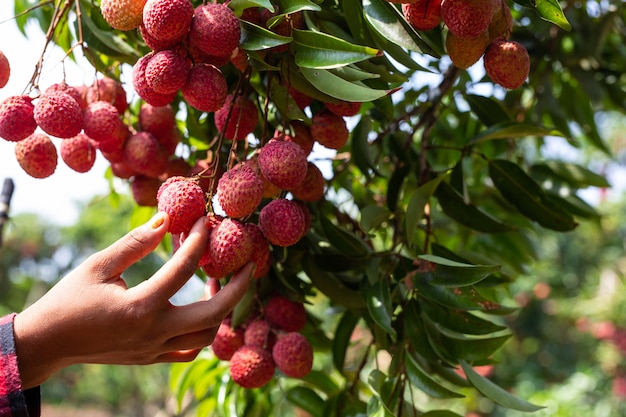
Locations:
{"points": [[507, 63], [37, 155], [467, 18], [252, 366], [465, 52], [423, 14], [293, 354]]}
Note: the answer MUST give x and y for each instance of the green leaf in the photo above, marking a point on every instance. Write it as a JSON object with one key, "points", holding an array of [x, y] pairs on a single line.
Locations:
{"points": [[362, 150], [373, 217], [528, 197], [291, 72], [343, 240], [257, 38], [240, 5], [415, 332], [471, 349], [380, 307], [488, 109], [287, 7], [551, 11], [440, 413], [509, 130], [342, 338], [496, 393], [306, 399], [417, 204], [337, 87], [420, 380], [575, 174], [284, 102], [457, 274], [388, 21], [459, 321], [320, 50], [321, 380], [353, 73], [332, 287]]}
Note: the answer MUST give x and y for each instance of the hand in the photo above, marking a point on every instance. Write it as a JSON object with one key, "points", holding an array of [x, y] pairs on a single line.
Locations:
{"points": [[91, 316]]}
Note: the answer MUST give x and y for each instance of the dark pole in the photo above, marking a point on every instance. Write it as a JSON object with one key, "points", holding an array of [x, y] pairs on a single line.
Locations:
{"points": [[5, 202]]}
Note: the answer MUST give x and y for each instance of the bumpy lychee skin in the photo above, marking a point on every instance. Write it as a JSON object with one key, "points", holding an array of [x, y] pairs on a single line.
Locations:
{"points": [[282, 222], [423, 14], [123, 14], [501, 24], [108, 89], [168, 21], [229, 248], [144, 190], [507, 63], [215, 29], [293, 354], [227, 340], [58, 114], [37, 155], [467, 18], [284, 314], [143, 89], [261, 253], [144, 154], [252, 367], [329, 130], [166, 72], [239, 191], [236, 119], [17, 120], [465, 52], [206, 88], [156, 119], [283, 163], [102, 123], [344, 108], [63, 87], [183, 200], [78, 153], [258, 333], [5, 69], [312, 188]]}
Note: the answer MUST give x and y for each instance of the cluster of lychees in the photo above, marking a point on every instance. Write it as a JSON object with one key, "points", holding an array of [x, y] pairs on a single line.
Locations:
{"points": [[268, 340], [476, 28]]}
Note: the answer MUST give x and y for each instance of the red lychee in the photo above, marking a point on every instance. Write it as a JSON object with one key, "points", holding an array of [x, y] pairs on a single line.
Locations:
{"points": [[467, 18], [17, 120], [183, 200], [465, 52], [176, 166], [206, 88], [144, 154], [168, 21], [120, 169], [258, 333], [239, 191], [156, 120], [100, 119], [108, 89], [283, 163], [423, 14], [284, 314], [215, 29], [261, 253], [501, 24], [5, 69], [344, 108], [229, 248], [122, 14], [144, 190], [166, 72], [293, 354], [302, 100], [114, 143], [37, 155], [507, 63], [78, 152], [252, 366], [237, 120], [142, 87], [58, 114], [63, 87], [282, 222], [312, 188], [227, 340], [329, 130]]}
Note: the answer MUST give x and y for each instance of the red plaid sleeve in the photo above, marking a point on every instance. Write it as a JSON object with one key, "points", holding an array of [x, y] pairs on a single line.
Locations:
{"points": [[13, 401]]}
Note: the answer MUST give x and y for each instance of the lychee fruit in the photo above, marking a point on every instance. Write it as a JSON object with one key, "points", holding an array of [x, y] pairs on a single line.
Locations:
{"points": [[507, 63], [168, 21], [258, 333], [123, 14], [423, 14], [282, 222], [176, 166], [63, 87], [108, 89], [78, 152], [114, 143], [144, 154], [312, 188], [166, 72], [293, 354], [169, 140], [465, 52], [207, 174], [285, 314], [501, 24], [301, 99], [5, 69], [143, 89], [183, 200], [229, 248], [236, 118], [156, 120], [345, 108], [467, 18], [37, 155], [144, 190], [120, 169], [17, 120], [329, 130], [206, 88], [100, 118], [227, 340], [215, 29], [252, 366], [58, 114], [261, 253], [283, 163], [239, 191]]}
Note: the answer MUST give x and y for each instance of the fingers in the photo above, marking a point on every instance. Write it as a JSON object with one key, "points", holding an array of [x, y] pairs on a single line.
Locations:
{"points": [[135, 245], [177, 271]]}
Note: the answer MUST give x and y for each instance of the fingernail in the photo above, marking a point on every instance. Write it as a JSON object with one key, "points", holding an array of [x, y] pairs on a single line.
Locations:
{"points": [[157, 220]]}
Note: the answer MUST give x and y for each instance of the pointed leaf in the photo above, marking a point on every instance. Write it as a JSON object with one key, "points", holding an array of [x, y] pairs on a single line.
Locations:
{"points": [[362, 152], [496, 393], [575, 174], [488, 109], [528, 197], [420, 380], [337, 87], [321, 380], [320, 50], [459, 321], [332, 287], [373, 217], [343, 240], [257, 38], [457, 274], [380, 307], [417, 204], [509, 130], [306, 399], [342, 338], [472, 349], [239, 5], [551, 11], [285, 102]]}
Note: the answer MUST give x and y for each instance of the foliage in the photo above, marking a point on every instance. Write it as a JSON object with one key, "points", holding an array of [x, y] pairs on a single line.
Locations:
{"points": [[434, 207]]}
